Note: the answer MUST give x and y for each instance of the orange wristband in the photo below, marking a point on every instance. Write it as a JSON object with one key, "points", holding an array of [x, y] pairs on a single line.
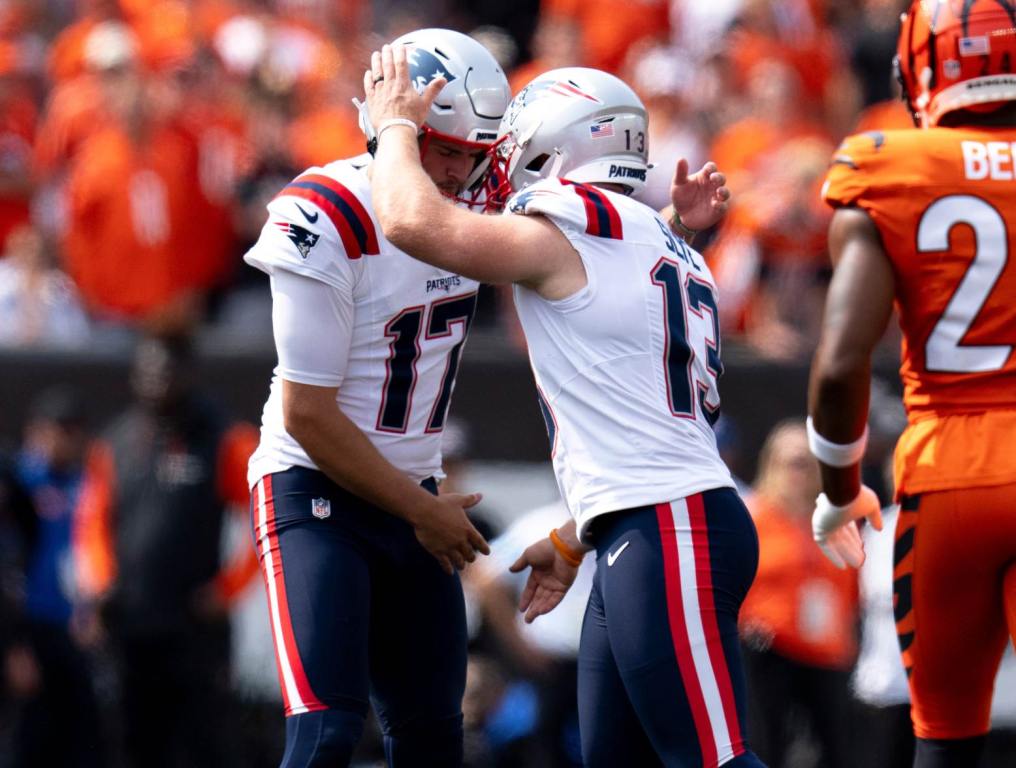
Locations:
{"points": [[574, 559]]}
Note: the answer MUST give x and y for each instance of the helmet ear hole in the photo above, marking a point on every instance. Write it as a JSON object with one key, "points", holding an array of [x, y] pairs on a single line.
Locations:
{"points": [[536, 164], [904, 91]]}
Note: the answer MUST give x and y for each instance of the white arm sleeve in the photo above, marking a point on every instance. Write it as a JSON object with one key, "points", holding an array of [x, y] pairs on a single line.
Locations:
{"points": [[313, 326]]}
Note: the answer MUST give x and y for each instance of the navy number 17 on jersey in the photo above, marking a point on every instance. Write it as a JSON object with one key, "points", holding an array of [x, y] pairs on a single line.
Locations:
{"points": [[400, 376]]}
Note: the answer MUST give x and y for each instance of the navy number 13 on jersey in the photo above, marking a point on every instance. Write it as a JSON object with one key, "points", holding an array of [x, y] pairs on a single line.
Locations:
{"points": [[687, 381]]}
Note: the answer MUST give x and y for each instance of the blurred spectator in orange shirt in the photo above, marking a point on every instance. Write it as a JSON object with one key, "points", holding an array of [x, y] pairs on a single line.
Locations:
{"points": [[799, 621], [17, 132], [136, 243]]}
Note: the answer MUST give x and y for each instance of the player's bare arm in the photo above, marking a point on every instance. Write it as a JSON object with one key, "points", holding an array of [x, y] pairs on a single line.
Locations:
{"points": [[858, 306], [417, 218], [346, 455]]}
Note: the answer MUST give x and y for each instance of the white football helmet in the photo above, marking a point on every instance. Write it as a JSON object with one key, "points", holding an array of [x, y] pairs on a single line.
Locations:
{"points": [[578, 123], [469, 108]]}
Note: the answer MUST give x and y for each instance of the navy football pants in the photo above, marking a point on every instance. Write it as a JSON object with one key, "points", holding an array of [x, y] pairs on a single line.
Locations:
{"points": [[660, 675], [359, 609]]}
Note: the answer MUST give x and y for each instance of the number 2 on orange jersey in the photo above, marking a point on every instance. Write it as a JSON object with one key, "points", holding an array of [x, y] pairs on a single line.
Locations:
{"points": [[944, 351]]}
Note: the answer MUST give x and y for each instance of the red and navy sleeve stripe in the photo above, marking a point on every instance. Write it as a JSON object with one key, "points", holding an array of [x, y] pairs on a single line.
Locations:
{"points": [[602, 218], [350, 218]]}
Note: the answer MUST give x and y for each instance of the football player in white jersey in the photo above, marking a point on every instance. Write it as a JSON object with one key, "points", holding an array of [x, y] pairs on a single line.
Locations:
{"points": [[622, 327], [358, 551]]}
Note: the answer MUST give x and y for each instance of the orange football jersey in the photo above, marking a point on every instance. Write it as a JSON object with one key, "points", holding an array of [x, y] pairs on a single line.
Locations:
{"points": [[944, 202]]}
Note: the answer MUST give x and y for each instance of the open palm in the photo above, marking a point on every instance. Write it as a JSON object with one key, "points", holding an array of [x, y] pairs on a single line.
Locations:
{"points": [[549, 579], [701, 199]]}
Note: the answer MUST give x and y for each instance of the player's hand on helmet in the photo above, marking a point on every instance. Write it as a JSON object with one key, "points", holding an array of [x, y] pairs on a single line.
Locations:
{"points": [[389, 88], [835, 530], [549, 579], [700, 199], [446, 532]]}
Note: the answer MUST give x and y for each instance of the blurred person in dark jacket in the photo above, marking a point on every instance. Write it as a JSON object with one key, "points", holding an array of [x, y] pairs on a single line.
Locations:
{"points": [[46, 667], [18, 674], [157, 486]]}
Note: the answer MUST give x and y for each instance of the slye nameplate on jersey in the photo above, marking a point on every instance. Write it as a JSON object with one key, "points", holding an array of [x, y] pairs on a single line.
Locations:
{"points": [[989, 159]]}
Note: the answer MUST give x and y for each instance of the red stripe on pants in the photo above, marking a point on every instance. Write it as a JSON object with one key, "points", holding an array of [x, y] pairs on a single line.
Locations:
{"points": [[310, 701], [707, 608], [679, 634]]}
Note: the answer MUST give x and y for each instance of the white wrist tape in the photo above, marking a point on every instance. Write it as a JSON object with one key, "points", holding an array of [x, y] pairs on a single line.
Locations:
{"points": [[828, 516], [836, 454], [393, 121]]}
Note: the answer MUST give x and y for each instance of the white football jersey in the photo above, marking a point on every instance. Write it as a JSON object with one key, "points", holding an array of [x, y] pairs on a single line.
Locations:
{"points": [[627, 367], [406, 321]]}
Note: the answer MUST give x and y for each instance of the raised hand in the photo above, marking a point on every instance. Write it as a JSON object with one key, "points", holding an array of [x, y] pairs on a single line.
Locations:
{"points": [[390, 91], [548, 582], [445, 531], [700, 199]]}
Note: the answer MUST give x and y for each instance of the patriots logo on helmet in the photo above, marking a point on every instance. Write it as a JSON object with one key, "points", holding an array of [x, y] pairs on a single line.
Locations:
{"points": [[302, 238], [424, 66], [565, 88], [542, 88]]}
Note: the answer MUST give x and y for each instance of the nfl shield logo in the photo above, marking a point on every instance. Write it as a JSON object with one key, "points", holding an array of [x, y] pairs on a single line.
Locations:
{"points": [[321, 508]]}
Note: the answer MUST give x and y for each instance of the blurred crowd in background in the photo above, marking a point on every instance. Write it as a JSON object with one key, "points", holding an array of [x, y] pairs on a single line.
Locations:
{"points": [[139, 143], [141, 139]]}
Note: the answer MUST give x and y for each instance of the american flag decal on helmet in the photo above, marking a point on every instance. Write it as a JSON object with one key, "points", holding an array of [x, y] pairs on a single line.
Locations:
{"points": [[602, 130], [975, 46]]}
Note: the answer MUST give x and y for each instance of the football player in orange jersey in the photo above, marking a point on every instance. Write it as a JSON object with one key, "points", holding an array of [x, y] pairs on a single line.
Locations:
{"points": [[927, 219]]}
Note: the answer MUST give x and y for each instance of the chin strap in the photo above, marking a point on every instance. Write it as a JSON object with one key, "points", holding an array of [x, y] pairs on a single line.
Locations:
{"points": [[363, 118]]}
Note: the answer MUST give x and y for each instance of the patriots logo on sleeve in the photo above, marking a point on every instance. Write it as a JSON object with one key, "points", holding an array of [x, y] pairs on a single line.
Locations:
{"points": [[302, 238], [519, 202]]}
